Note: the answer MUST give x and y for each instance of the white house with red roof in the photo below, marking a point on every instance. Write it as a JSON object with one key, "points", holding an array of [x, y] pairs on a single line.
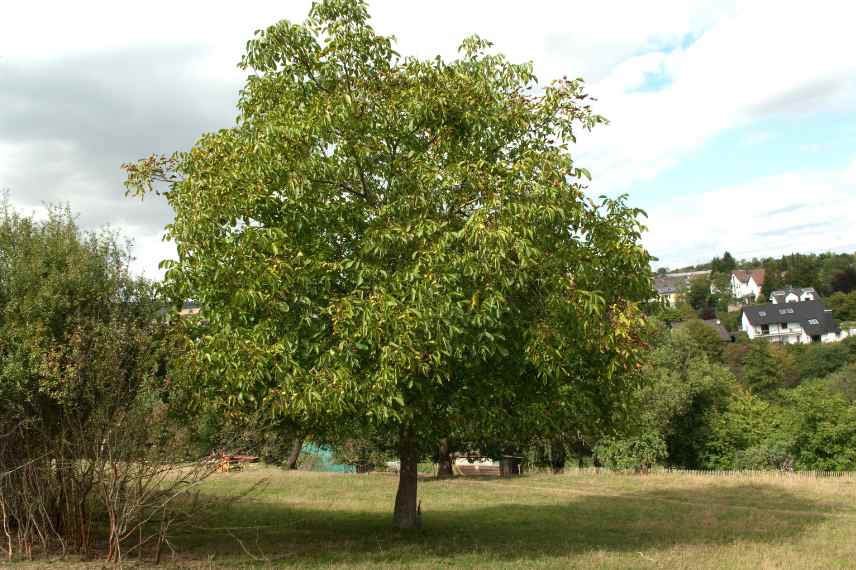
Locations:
{"points": [[747, 284]]}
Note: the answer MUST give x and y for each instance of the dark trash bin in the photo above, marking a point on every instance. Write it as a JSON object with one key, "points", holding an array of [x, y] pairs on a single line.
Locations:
{"points": [[510, 466]]}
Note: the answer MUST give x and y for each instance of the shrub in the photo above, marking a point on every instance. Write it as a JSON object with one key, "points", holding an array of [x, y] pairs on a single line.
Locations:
{"points": [[822, 426], [745, 423], [87, 446], [843, 382], [820, 360], [769, 455], [706, 338], [638, 453]]}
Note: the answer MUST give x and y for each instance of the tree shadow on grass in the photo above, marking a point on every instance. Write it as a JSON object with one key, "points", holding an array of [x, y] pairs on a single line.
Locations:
{"points": [[550, 523]]}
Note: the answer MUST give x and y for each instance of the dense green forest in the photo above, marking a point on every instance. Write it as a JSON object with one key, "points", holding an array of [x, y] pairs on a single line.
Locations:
{"points": [[827, 272], [705, 404]]}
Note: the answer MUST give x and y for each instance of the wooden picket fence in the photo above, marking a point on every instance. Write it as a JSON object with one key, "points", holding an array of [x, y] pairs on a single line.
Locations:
{"points": [[736, 473], [764, 474]]}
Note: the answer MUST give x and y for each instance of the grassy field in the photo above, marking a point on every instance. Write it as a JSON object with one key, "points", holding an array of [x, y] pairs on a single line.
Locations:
{"points": [[310, 520]]}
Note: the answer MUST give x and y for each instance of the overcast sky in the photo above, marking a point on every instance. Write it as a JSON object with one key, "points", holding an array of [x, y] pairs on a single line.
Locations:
{"points": [[733, 124]]}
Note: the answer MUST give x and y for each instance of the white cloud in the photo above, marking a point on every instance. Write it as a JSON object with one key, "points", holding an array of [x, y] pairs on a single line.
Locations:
{"points": [[792, 212], [176, 61], [756, 138], [766, 59], [561, 37], [105, 83], [148, 250], [850, 174]]}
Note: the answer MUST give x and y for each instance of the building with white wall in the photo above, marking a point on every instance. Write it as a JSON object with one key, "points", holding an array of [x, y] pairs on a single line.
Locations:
{"points": [[794, 295], [672, 286], [668, 291], [800, 322], [747, 284]]}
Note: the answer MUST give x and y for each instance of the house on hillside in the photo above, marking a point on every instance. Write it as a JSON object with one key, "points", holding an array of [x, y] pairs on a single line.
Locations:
{"points": [[801, 322], [747, 284], [690, 275], [668, 290], [794, 295], [189, 308], [671, 286]]}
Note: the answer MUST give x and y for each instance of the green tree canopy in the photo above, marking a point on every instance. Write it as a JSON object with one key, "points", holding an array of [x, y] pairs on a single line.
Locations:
{"points": [[760, 371], [837, 274], [726, 264], [700, 297], [706, 337], [684, 391], [398, 240], [843, 305]]}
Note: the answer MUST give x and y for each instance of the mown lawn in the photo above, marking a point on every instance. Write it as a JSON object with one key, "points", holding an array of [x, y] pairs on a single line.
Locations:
{"points": [[310, 520]]}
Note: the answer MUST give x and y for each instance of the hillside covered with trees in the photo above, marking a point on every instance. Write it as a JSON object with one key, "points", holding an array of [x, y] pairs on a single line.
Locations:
{"points": [[832, 275]]}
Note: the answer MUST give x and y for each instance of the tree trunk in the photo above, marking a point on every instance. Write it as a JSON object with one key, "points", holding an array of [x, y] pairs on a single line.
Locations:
{"points": [[444, 460], [296, 447], [407, 515], [557, 456]]}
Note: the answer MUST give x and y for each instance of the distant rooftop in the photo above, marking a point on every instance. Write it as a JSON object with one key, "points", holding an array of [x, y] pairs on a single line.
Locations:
{"points": [[743, 275], [780, 295]]}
